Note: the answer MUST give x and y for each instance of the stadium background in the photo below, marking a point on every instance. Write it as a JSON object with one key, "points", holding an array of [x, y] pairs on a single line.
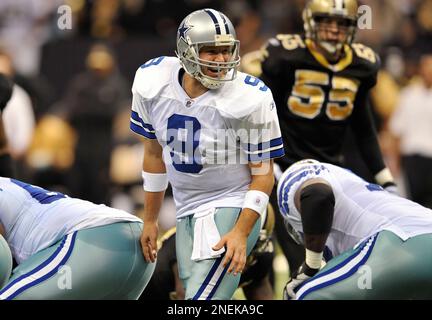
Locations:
{"points": [[70, 128]]}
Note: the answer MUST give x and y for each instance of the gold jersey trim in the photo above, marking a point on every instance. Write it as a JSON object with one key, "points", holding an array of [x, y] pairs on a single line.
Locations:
{"points": [[341, 65]]}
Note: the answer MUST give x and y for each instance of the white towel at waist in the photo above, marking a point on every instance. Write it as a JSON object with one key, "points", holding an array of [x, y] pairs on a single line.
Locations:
{"points": [[206, 235]]}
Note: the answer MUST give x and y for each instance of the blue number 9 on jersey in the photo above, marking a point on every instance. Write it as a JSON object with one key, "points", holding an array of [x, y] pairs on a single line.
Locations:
{"points": [[152, 62], [252, 81], [183, 134], [374, 187]]}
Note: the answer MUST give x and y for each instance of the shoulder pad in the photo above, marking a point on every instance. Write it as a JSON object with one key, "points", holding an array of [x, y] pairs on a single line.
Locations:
{"points": [[251, 62], [154, 75], [366, 56], [282, 51], [289, 42], [246, 93], [275, 48]]}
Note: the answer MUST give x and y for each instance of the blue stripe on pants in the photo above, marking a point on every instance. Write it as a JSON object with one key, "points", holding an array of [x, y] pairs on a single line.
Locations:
{"points": [[50, 270], [208, 278], [332, 275]]}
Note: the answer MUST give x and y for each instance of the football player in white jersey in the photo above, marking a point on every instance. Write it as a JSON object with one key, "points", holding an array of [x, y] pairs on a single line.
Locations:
{"points": [[212, 132], [67, 248], [381, 243]]}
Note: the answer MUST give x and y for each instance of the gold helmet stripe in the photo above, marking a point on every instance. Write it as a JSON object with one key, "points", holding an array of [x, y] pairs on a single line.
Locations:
{"points": [[339, 4]]}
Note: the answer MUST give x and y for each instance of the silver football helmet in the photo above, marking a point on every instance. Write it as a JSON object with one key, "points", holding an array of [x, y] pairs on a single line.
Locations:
{"points": [[207, 27]]}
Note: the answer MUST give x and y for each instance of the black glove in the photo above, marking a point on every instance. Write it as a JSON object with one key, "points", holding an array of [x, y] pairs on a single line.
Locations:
{"points": [[303, 273], [6, 88]]}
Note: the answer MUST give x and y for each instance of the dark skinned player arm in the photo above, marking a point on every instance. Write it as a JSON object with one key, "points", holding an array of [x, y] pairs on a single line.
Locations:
{"points": [[315, 201]]}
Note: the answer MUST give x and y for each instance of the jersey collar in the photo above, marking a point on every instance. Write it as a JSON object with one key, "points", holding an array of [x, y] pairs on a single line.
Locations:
{"points": [[341, 65], [181, 93]]}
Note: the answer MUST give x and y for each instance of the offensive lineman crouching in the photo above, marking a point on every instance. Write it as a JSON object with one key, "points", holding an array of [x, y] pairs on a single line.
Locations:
{"points": [[362, 226]]}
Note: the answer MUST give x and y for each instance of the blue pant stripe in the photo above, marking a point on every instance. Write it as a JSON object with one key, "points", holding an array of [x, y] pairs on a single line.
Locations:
{"points": [[40, 267], [208, 278], [337, 267], [217, 283]]}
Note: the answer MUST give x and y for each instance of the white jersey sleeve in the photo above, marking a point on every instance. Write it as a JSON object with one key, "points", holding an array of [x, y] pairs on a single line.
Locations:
{"points": [[140, 122], [150, 78]]}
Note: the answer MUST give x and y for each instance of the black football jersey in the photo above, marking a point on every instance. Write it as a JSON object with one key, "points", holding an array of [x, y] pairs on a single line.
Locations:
{"points": [[316, 100]]}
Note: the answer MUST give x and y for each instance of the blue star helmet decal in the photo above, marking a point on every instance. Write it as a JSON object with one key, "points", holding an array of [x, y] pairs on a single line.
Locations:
{"points": [[183, 30]]}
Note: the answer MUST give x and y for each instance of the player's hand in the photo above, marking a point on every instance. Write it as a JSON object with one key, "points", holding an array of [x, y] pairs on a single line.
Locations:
{"points": [[149, 240], [304, 273], [235, 243]]}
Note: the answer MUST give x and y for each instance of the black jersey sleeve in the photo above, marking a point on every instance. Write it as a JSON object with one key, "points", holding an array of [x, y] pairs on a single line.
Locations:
{"points": [[362, 122], [365, 132], [371, 79], [368, 61], [271, 60], [6, 87], [281, 56], [271, 64]]}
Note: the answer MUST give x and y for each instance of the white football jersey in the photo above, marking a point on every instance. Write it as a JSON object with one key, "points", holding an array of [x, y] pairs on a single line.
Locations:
{"points": [[361, 209], [35, 218], [207, 141]]}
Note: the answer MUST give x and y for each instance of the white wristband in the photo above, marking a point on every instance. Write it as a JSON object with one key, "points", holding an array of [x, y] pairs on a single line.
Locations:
{"points": [[384, 176], [154, 182], [256, 200], [313, 259]]}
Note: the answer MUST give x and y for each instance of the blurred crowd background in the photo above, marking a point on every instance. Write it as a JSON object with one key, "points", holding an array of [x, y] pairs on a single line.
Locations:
{"points": [[68, 121]]}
